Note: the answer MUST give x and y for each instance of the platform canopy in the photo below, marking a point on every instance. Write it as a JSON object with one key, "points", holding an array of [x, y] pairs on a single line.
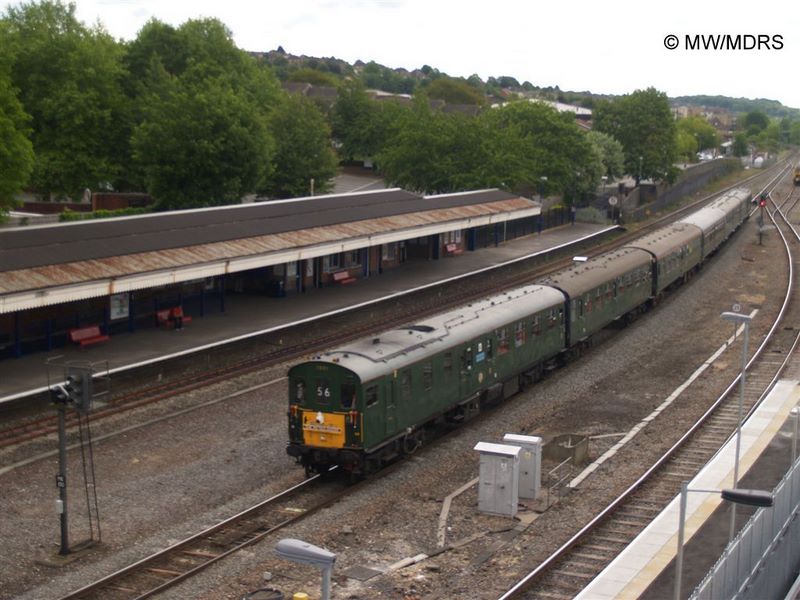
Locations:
{"points": [[51, 264]]}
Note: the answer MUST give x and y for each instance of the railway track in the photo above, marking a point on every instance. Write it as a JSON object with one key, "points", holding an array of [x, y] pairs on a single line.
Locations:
{"points": [[567, 571], [167, 568], [502, 277]]}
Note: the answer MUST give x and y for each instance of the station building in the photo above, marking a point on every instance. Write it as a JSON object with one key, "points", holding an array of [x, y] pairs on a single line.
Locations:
{"points": [[124, 274]]}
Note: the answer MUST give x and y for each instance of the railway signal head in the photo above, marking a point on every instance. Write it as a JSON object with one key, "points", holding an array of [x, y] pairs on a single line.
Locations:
{"points": [[762, 201], [78, 387], [59, 394]]}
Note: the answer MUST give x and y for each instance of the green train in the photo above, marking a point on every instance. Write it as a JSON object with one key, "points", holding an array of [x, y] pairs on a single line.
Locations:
{"points": [[364, 404]]}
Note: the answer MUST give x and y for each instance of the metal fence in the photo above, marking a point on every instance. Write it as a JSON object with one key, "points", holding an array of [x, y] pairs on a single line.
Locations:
{"points": [[762, 561]]}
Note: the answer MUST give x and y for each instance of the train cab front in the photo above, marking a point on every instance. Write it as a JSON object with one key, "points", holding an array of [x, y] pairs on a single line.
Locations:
{"points": [[325, 427]]}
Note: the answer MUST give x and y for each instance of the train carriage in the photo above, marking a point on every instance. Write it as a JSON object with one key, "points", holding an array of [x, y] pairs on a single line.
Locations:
{"points": [[677, 251], [721, 218], [602, 290], [363, 404]]}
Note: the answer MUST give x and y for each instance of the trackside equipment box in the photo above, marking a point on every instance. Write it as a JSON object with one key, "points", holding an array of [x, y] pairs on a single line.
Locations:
{"points": [[498, 488], [530, 463]]}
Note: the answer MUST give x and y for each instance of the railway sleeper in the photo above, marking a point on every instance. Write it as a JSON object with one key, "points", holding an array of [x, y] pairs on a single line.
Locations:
{"points": [[592, 556], [649, 504], [589, 566], [634, 524], [554, 595], [575, 574]]}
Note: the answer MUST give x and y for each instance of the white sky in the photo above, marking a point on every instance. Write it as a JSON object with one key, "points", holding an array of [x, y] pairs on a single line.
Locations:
{"points": [[604, 46]]}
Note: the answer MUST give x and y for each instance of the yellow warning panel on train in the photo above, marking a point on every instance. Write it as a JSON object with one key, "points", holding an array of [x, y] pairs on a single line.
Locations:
{"points": [[323, 429]]}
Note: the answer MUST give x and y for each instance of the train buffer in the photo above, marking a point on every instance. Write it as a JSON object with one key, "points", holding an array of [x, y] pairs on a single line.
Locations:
{"points": [[343, 277], [86, 336]]}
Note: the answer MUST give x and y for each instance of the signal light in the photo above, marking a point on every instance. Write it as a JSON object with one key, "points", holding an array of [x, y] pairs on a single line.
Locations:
{"points": [[762, 202], [77, 388]]}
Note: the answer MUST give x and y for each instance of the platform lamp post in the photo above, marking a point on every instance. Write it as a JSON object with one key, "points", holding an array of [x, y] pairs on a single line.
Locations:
{"points": [[308, 554], [758, 498], [736, 317]]}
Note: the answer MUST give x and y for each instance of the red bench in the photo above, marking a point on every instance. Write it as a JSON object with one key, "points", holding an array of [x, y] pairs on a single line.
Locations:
{"points": [[163, 317], [343, 277], [86, 336]]}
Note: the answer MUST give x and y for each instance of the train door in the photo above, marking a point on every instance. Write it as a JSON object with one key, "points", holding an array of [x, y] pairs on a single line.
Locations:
{"points": [[390, 407]]}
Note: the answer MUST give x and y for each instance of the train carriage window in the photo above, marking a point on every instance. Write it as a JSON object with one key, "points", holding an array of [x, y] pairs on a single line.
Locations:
{"points": [[427, 377], [299, 391], [348, 394], [502, 341], [536, 326], [371, 396], [489, 351], [519, 334], [323, 391], [405, 385]]}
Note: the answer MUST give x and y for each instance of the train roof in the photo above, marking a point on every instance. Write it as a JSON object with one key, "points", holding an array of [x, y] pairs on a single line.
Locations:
{"points": [[663, 241], [582, 277], [711, 216], [395, 349]]}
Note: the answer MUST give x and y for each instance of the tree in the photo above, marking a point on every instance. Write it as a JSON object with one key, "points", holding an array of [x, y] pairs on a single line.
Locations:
{"points": [[69, 81], [704, 133], [435, 153], [313, 77], [454, 91], [362, 126], [351, 121], [534, 141], [686, 146], [643, 124], [302, 149], [740, 145], [16, 150], [610, 153], [201, 135], [201, 143], [754, 122]]}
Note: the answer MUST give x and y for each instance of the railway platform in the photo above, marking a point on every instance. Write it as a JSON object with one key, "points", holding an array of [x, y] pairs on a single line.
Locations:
{"points": [[646, 568], [249, 314]]}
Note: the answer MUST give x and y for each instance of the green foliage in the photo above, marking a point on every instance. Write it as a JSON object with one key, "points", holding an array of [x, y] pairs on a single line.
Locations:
{"points": [[754, 122], [794, 133], [302, 149], [609, 152], [70, 215], [16, 150], [454, 91], [436, 153], [313, 77], [201, 143], [69, 81], [511, 148], [536, 141], [643, 124], [378, 77], [772, 108], [740, 146], [686, 146], [704, 133]]}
